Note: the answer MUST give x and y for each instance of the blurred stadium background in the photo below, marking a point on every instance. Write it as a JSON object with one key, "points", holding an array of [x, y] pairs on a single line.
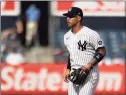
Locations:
{"points": [[33, 54]]}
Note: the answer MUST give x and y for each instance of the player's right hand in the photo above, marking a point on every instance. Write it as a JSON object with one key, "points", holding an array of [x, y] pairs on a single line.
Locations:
{"points": [[67, 73]]}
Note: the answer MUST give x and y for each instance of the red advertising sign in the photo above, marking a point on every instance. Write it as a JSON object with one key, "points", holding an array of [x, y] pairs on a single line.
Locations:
{"points": [[10, 8], [90, 8], [48, 79]]}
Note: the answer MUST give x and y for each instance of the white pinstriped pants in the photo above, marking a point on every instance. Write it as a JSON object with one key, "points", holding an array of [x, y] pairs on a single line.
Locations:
{"points": [[87, 88]]}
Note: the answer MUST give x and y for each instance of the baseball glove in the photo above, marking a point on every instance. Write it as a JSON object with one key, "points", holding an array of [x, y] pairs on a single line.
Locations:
{"points": [[78, 76]]}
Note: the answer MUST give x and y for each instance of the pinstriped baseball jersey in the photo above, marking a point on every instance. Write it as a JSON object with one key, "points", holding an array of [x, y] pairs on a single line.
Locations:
{"points": [[82, 45]]}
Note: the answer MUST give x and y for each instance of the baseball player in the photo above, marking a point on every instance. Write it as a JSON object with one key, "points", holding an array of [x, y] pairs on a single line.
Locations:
{"points": [[86, 50]]}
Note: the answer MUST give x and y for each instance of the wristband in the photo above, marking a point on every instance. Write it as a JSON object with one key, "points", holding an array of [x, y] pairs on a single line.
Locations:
{"points": [[98, 56]]}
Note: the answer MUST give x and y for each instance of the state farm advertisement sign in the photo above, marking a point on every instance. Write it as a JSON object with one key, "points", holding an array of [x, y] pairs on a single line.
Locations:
{"points": [[35, 79], [10, 8], [48, 79], [90, 8]]}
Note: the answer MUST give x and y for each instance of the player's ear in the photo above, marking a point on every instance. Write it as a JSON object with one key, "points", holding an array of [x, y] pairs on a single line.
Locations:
{"points": [[79, 18]]}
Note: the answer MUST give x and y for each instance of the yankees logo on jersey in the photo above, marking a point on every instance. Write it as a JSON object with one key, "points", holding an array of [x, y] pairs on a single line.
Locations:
{"points": [[82, 46]]}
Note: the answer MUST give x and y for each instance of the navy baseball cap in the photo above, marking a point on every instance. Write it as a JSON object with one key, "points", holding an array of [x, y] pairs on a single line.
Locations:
{"points": [[74, 11]]}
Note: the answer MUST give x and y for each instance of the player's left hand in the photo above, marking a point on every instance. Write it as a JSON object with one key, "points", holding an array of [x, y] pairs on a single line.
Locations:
{"points": [[78, 76]]}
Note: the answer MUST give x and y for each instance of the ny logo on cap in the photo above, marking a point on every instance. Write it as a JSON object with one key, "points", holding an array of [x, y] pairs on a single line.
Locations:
{"points": [[70, 9]]}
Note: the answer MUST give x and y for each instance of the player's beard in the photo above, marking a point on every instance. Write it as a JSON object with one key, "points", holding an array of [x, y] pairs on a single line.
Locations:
{"points": [[72, 25]]}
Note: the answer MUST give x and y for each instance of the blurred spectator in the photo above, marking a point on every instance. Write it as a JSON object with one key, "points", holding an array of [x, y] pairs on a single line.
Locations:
{"points": [[33, 15], [10, 28], [9, 25], [14, 57]]}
